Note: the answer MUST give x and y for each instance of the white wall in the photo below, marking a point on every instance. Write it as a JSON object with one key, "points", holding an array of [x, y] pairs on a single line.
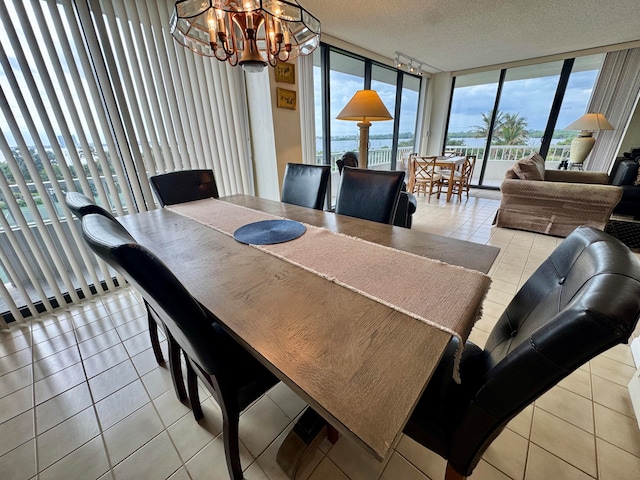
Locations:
{"points": [[435, 120], [275, 132]]}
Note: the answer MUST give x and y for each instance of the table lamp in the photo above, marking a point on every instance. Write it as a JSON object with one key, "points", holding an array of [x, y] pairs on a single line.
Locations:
{"points": [[581, 145], [365, 107]]}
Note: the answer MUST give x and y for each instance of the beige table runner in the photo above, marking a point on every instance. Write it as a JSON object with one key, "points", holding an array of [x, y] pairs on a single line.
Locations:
{"points": [[444, 296]]}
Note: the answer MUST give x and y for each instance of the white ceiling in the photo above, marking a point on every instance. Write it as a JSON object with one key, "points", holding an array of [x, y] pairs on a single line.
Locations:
{"points": [[451, 35]]}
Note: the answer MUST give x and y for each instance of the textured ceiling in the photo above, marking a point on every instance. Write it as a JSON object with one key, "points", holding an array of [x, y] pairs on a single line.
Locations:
{"points": [[451, 35]]}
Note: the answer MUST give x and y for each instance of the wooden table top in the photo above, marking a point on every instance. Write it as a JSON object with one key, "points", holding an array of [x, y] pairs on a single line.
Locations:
{"points": [[449, 250], [358, 363]]}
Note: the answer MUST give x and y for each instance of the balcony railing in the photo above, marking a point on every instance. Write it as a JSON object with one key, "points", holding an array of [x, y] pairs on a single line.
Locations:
{"points": [[500, 159]]}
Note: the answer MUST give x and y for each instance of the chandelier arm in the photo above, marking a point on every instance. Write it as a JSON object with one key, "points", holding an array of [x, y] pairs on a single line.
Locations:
{"points": [[224, 39]]}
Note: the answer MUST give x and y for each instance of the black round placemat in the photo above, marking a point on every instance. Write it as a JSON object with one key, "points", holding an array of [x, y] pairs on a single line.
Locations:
{"points": [[267, 232]]}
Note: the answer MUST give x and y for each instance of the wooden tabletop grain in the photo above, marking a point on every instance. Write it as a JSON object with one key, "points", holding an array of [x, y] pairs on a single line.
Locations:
{"points": [[358, 363]]}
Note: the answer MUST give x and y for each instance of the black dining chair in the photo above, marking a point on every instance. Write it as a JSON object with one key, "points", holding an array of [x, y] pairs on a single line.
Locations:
{"points": [[184, 186], [305, 185], [582, 300], [80, 206], [369, 194], [233, 376]]}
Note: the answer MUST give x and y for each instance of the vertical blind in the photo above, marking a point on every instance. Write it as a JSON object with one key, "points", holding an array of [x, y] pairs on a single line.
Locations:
{"points": [[615, 95], [95, 96]]}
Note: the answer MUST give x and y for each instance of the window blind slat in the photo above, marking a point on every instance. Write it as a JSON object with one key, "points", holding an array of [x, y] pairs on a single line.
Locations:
{"points": [[103, 93]]}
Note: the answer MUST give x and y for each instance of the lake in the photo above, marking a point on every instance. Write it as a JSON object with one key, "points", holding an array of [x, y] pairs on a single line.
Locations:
{"points": [[354, 145]]}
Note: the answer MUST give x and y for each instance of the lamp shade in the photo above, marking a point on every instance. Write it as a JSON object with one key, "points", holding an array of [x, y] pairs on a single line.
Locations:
{"points": [[365, 106], [591, 122]]}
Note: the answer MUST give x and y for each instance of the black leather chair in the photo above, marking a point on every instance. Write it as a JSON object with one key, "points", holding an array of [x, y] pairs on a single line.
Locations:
{"points": [[349, 159], [81, 205], [583, 300], [305, 185], [184, 186], [234, 377], [369, 194], [624, 174], [407, 206], [407, 203]]}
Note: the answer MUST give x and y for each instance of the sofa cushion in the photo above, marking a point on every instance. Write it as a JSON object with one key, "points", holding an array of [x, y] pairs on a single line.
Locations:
{"points": [[530, 167]]}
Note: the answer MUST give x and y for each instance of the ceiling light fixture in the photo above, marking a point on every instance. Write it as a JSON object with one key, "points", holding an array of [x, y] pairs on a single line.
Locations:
{"points": [[249, 33], [412, 65]]}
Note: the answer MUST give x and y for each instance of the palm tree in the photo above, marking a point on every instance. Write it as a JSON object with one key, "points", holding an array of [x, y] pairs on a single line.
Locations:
{"points": [[513, 129], [482, 131]]}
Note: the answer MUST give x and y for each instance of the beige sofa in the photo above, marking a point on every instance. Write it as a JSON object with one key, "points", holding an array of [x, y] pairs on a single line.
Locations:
{"points": [[554, 202]]}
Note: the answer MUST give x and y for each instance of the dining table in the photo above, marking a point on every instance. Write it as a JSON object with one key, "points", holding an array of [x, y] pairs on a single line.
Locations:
{"points": [[448, 164], [358, 358]]}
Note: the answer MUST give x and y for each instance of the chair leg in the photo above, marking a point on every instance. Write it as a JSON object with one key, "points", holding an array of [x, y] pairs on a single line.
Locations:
{"points": [[194, 397], [231, 440], [153, 333], [175, 367], [451, 474]]}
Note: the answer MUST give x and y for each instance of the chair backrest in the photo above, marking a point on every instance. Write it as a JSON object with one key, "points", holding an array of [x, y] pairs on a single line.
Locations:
{"points": [[80, 205], [624, 172], [467, 169], [582, 300], [452, 153], [184, 186], [193, 329], [424, 168], [349, 159], [305, 185], [369, 194]]}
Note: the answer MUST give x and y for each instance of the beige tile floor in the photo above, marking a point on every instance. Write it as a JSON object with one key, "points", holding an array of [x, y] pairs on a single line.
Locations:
{"points": [[81, 397]]}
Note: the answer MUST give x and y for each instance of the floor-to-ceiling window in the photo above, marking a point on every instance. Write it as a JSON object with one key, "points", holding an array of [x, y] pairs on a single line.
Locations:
{"points": [[84, 107], [346, 77], [502, 115], [337, 76], [407, 122]]}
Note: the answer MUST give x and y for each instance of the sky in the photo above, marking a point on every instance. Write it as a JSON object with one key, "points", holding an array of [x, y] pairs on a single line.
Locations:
{"points": [[531, 98], [344, 86]]}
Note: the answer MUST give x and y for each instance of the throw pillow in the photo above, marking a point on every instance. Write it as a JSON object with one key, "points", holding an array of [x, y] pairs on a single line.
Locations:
{"points": [[530, 167]]}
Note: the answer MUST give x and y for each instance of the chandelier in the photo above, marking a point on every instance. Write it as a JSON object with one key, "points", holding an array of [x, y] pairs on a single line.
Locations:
{"points": [[250, 33]]}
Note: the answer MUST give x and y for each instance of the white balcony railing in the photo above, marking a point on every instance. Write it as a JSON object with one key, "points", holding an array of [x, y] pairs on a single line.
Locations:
{"points": [[500, 159]]}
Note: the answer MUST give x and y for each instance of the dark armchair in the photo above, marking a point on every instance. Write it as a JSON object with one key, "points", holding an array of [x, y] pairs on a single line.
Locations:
{"points": [[624, 174], [234, 377], [349, 159], [583, 300]]}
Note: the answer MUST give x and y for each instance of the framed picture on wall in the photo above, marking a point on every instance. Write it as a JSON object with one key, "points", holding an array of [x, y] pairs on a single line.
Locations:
{"points": [[285, 72], [286, 98]]}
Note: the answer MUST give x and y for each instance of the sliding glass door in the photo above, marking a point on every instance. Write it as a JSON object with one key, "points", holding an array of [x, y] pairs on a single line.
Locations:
{"points": [[338, 75], [503, 115]]}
